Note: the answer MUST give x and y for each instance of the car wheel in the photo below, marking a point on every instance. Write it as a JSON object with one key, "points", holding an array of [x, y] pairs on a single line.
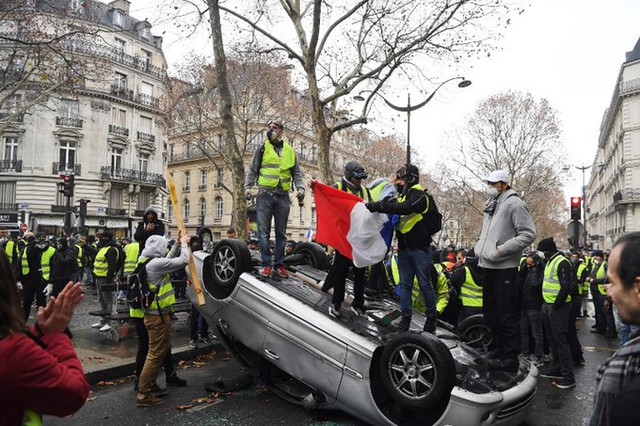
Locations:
{"points": [[230, 258], [418, 372], [314, 255], [475, 332]]}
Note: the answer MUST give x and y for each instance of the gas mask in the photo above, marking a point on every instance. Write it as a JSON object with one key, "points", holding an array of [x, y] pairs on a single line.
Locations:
{"points": [[42, 245], [492, 191], [272, 135]]}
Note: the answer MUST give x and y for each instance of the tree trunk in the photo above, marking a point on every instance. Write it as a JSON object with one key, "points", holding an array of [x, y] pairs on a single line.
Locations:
{"points": [[225, 102]]}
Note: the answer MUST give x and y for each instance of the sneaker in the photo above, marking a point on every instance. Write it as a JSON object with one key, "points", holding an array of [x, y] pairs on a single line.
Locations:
{"points": [[205, 341], [174, 380], [97, 325], [334, 311], [430, 324], [158, 391], [148, 400], [551, 374], [404, 324], [564, 383], [106, 327], [194, 343], [282, 271], [266, 272], [358, 311], [580, 361]]}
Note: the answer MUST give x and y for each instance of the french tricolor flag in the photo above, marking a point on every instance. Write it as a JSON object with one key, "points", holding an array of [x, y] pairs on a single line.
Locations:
{"points": [[345, 224]]}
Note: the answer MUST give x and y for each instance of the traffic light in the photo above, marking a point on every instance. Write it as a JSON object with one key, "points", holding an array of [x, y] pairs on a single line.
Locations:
{"points": [[576, 208], [83, 207], [67, 185]]}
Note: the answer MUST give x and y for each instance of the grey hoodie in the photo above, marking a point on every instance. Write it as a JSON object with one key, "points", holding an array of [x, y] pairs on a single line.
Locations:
{"points": [[506, 233], [162, 263]]}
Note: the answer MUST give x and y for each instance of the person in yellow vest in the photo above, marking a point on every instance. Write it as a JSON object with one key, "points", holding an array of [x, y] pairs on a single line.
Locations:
{"points": [[10, 247], [35, 271], [598, 280], [438, 277], [578, 278], [157, 318], [105, 269], [274, 167], [468, 281], [556, 307], [414, 241], [131, 254]]}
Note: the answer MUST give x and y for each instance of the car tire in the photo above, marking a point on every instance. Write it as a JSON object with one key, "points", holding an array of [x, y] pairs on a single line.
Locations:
{"points": [[475, 332], [314, 255], [229, 259], [418, 372]]}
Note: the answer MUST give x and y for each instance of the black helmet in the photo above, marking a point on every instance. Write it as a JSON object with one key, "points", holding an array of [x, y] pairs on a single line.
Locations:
{"points": [[353, 169], [409, 172]]}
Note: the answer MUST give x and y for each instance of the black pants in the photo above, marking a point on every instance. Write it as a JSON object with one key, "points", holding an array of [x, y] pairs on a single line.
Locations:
{"points": [[500, 309], [337, 279], [377, 277], [466, 311], [555, 326], [143, 348], [572, 333], [32, 288]]}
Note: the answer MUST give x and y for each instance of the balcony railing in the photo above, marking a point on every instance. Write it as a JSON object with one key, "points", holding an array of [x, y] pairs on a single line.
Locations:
{"points": [[130, 175], [56, 208], [69, 122], [627, 195], [146, 137], [8, 207], [202, 187], [117, 130], [122, 92], [58, 168], [192, 154], [186, 188], [11, 166], [148, 100], [15, 118], [115, 212], [138, 213]]}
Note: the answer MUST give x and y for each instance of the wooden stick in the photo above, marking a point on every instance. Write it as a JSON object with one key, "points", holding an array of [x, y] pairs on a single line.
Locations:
{"points": [[177, 213]]}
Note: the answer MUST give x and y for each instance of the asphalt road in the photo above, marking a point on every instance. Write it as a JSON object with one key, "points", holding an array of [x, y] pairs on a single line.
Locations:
{"points": [[114, 404]]}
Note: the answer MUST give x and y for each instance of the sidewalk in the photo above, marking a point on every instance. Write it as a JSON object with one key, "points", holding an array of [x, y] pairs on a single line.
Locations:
{"points": [[105, 360]]}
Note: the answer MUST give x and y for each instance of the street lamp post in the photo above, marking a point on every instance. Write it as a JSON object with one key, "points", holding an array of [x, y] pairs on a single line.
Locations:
{"points": [[584, 205], [409, 108]]}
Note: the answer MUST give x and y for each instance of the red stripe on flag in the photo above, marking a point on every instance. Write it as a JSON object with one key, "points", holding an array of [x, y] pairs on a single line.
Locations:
{"points": [[333, 210]]}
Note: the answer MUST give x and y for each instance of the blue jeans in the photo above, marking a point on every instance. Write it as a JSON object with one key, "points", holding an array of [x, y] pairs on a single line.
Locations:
{"points": [[416, 263], [270, 204]]}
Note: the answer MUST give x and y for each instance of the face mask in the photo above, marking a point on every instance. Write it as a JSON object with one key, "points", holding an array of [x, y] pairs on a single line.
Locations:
{"points": [[492, 191], [596, 262], [399, 188], [575, 261], [41, 245], [272, 135]]}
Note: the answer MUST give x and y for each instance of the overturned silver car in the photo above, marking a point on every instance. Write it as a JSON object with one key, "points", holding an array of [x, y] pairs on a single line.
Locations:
{"points": [[280, 329]]}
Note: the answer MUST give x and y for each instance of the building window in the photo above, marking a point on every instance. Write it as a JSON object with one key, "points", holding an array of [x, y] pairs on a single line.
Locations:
{"points": [[187, 180], [119, 45], [313, 214], [12, 104], [219, 208], [301, 213], [116, 197], [146, 124], [203, 179], [147, 59], [219, 177], [116, 158], [67, 159], [170, 212], [7, 195], [145, 32], [117, 18], [69, 108], [186, 210], [143, 162], [221, 143], [120, 80], [171, 151], [119, 117], [203, 209], [10, 148]]}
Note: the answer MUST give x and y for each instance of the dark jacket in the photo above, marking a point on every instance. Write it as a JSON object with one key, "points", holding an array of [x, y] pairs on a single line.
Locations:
{"points": [[34, 259], [64, 263], [114, 258], [142, 234], [414, 202], [530, 286], [565, 271]]}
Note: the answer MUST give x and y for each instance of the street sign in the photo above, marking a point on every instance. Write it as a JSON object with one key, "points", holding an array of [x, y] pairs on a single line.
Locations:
{"points": [[571, 231], [23, 227], [23, 206]]}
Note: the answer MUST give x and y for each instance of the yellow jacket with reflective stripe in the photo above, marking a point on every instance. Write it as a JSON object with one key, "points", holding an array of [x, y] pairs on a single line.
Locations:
{"points": [[470, 292], [9, 249], [131, 253], [45, 262], [583, 287], [417, 301], [365, 194], [601, 274], [274, 168], [164, 296], [79, 255], [100, 264], [551, 282], [407, 221], [31, 418]]}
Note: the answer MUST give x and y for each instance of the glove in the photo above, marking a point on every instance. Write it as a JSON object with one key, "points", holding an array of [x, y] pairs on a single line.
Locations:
{"points": [[300, 195], [48, 290], [20, 286], [374, 207], [247, 194]]}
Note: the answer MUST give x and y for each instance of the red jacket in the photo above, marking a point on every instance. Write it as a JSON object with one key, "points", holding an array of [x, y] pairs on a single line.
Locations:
{"points": [[47, 381]]}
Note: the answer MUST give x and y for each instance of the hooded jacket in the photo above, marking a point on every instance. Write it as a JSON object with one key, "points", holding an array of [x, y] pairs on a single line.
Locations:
{"points": [[505, 233], [142, 234], [64, 262], [161, 264]]}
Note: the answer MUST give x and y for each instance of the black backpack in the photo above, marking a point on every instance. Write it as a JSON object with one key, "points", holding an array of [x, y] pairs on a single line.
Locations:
{"points": [[432, 216], [139, 295]]}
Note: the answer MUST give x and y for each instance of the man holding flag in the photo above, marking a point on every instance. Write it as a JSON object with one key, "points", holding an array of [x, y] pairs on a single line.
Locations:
{"points": [[414, 239]]}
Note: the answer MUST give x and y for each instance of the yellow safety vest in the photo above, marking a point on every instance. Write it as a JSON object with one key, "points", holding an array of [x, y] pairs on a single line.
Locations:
{"points": [[164, 298], [45, 263], [100, 264], [31, 418], [601, 275], [376, 191], [365, 194], [550, 282], [274, 168], [407, 221], [470, 292], [79, 256], [417, 301], [9, 249], [582, 287], [131, 252]]}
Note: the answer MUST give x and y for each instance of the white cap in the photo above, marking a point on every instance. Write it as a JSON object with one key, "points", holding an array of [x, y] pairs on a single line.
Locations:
{"points": [[498, 176]]}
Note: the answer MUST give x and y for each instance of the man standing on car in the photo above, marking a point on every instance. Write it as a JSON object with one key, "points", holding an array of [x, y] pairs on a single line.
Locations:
{"points": [[148, 226], [274, 167], [618, 382], [507, 229], [414, 239]]}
